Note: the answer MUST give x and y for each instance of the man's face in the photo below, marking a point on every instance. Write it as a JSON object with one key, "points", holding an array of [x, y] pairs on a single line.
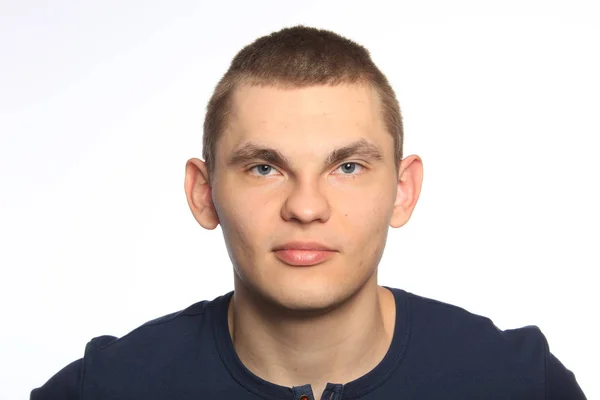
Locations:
{"points": [[344, 203]]}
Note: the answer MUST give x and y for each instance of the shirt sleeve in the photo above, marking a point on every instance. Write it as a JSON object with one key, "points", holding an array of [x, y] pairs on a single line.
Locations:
{"points": [[560, 382], [65, 385]]}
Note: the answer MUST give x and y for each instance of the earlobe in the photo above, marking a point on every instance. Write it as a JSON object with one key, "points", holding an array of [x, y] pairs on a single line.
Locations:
{"points": [[199, 194], [410, 179]]}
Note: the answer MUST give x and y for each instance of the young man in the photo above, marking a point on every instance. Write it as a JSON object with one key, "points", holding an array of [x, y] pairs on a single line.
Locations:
{"points": [[304, 172]]}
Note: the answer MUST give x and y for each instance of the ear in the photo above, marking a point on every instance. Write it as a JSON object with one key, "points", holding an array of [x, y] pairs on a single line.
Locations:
{"points": [[410, 179], [199, 194]]}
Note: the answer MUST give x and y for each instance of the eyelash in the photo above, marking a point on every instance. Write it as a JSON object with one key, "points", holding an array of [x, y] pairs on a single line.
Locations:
{"points": [[265, 176]]}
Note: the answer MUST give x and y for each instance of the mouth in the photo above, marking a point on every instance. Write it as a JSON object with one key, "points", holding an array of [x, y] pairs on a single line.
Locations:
{"points": [[297, 257], [303, 253]]}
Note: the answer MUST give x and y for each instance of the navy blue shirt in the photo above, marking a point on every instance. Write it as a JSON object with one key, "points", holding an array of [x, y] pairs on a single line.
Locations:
{"points": [[438, 351]]}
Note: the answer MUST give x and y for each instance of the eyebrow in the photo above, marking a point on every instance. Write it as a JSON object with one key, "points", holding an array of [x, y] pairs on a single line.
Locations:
{"points": [[250, 151]]}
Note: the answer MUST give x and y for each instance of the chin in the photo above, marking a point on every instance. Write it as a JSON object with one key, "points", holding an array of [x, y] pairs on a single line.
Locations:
{"points": [[310, 297], [306, 306], [313, 289]]}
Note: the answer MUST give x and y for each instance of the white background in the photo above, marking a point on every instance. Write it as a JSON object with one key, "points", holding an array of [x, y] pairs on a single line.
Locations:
{"points": [[102, 104]]}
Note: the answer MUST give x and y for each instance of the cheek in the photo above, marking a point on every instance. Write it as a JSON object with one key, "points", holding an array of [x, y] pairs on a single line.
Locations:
{"points": [[366, 221], [368, 215], [243, 220]]}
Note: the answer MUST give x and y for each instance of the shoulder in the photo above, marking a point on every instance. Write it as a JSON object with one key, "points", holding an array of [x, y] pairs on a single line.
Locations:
{"points": [[163, 328], [102, 353], [450, 338], [449, 324], [64, 384]]}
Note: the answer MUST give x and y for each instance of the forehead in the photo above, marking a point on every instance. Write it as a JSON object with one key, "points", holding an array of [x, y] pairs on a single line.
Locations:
{"points": [[314, 113]]}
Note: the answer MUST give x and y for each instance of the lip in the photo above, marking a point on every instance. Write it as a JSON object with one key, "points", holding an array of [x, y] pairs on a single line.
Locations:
{"points": [[313, 246], [303, 253], [297, 257]]}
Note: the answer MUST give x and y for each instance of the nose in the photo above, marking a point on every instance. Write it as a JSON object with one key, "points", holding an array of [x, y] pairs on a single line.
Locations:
{"points": [[306, 203]]}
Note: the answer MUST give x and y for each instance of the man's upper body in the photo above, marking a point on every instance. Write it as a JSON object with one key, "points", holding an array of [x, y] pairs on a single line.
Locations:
{"points": [[304, 172], [438, 351]]}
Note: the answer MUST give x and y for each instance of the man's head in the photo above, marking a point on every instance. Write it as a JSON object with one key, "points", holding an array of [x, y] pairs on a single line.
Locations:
{"points": [[303, 142], [299, 57]]}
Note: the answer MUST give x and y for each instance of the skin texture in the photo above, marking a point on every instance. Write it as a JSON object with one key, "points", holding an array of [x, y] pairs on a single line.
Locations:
{"points": [[329, 322]]}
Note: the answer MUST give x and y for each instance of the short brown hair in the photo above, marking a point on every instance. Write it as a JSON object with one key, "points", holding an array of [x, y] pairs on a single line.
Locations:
{"points": [[293, 58]]}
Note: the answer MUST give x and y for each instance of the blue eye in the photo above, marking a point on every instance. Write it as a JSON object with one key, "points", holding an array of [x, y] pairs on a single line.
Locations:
{"points": [[349, 167], [263, 169], [352, 167]]}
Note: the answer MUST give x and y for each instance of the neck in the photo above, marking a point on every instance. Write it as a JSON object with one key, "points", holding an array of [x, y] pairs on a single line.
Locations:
{"points": [[337, 345]]}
